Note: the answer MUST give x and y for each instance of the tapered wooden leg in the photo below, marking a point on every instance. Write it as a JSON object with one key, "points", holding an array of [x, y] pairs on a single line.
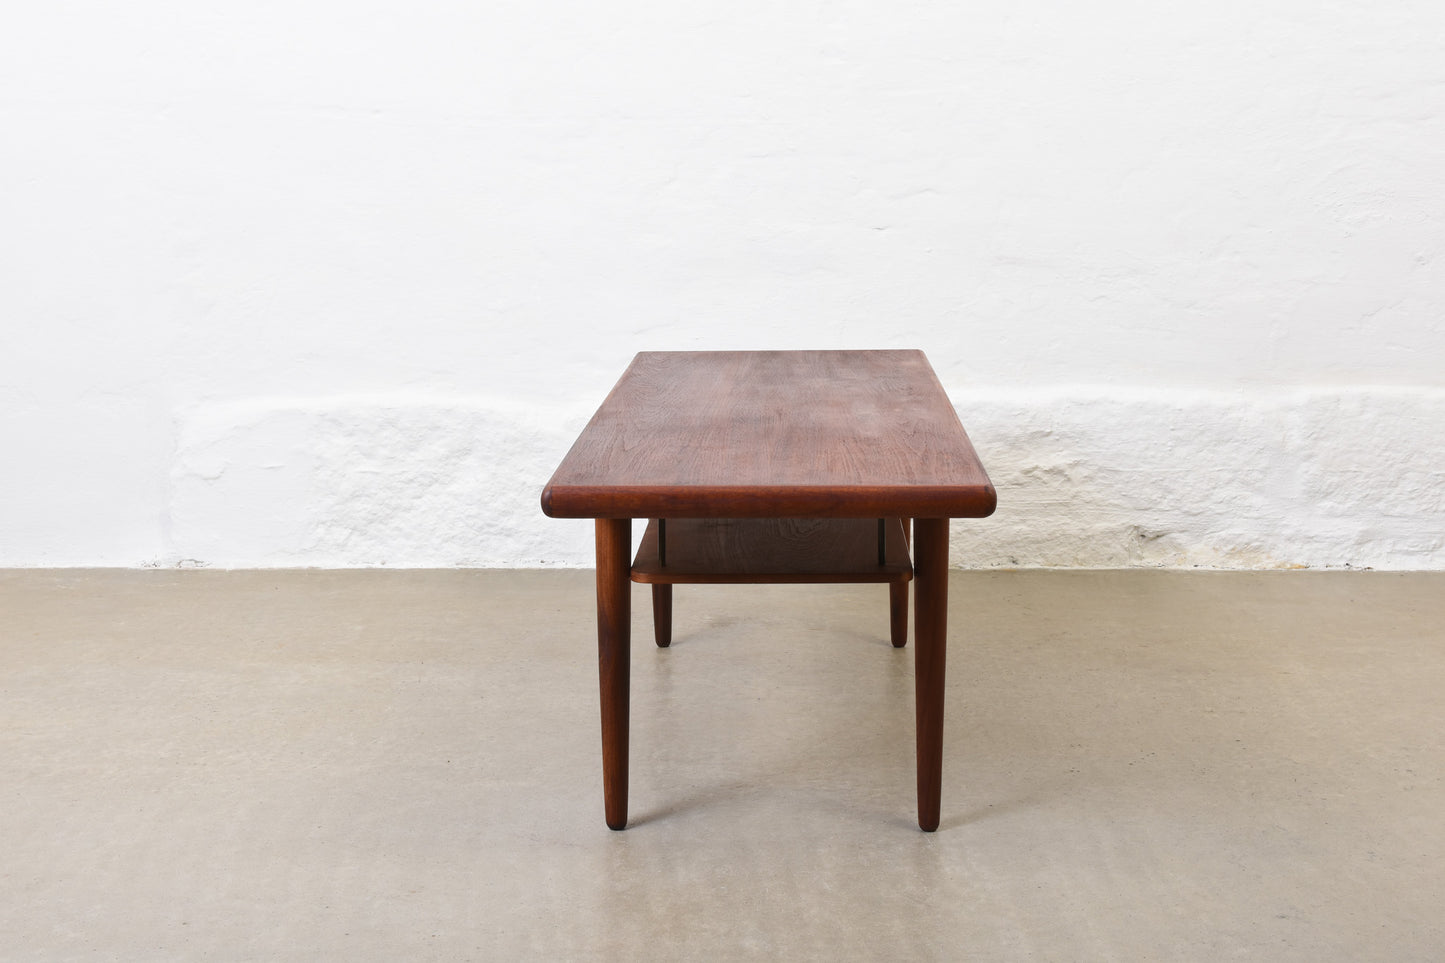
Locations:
{"points": [[930, 644], [898, 601], [898, 613], [662, 614], [614, 658]]}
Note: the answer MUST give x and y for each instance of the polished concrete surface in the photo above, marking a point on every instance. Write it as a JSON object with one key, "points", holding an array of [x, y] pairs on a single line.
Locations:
{"points": [[404, 765]]}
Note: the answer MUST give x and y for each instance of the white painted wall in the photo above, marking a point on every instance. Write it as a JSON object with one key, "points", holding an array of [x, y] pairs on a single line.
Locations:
{"points": [[325, 283]]}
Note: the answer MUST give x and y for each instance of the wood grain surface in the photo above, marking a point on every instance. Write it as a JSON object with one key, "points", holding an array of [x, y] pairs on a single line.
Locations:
{"points": [[767, 434], [770, 550]]}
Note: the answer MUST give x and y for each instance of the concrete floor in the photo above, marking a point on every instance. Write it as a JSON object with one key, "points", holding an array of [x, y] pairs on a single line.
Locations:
{"points": [[404, 765]]}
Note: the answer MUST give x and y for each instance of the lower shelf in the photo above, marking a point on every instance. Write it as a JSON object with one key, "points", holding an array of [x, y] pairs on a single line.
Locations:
{"points": [[742, 550]]}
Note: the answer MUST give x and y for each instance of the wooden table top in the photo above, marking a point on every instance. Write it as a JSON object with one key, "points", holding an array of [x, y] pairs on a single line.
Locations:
{"points": [[765, 434]]}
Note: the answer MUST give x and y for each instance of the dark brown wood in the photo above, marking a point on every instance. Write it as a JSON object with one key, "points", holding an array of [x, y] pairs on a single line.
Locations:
{"points": [[614, 660], [662, 615], [898, 599], [930, 647], [773, 434], [898, 614], [837, 435], [756, 550]]}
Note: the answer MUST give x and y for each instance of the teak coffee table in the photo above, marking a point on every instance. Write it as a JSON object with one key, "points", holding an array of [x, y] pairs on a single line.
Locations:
{"points": [[773, 466]]}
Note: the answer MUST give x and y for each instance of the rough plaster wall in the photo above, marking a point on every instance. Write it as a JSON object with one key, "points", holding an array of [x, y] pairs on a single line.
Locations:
{"points": [[1087, 477], [1300, 478], [335, 284], [401, 480]]}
